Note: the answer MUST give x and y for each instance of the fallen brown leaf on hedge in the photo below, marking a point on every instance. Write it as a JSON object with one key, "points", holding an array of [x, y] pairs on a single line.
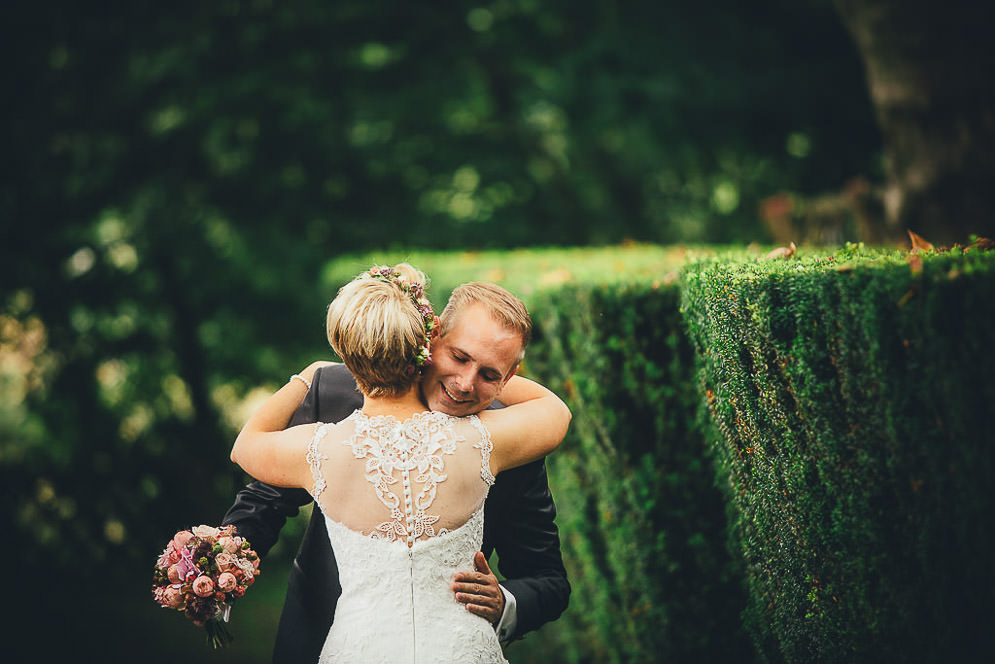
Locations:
{"points": [[918, 242], [782, 252], [981, 244]]}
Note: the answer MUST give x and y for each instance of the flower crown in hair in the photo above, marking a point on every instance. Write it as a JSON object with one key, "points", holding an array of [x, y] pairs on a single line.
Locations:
{"points": [[417, 294]]}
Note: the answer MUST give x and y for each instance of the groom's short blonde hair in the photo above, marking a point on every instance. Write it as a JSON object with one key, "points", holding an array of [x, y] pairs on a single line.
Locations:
{"points": [[504, 308], [375, 328]]}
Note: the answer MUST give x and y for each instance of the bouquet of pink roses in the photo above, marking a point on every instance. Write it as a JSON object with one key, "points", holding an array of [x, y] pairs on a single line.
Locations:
{"points": [[202, 572]]}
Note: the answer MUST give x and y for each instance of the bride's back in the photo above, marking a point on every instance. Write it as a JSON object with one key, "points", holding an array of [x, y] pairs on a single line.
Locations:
{"points": [[401, 480], [403, 504]]}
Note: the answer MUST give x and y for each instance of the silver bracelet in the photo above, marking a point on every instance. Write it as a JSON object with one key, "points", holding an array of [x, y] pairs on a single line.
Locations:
{"points": [[303, 380]]}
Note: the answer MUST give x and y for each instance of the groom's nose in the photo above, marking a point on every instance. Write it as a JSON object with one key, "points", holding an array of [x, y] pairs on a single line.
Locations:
{"points": [[463, 382]]}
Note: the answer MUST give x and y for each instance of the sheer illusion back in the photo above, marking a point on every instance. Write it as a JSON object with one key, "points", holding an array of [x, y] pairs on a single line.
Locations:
{"points": [[403, 503], [399, 480]]}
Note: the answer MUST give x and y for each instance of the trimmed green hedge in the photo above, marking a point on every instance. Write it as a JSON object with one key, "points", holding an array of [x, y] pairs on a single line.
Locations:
{"points": [[643, 524], [844, 398], [851, 395]]}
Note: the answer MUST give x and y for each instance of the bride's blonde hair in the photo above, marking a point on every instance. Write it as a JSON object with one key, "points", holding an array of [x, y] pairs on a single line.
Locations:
{"points": [[375, 327]]}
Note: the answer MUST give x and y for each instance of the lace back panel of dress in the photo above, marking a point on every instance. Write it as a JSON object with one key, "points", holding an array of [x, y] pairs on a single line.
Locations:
{"points": [[401, 480]]}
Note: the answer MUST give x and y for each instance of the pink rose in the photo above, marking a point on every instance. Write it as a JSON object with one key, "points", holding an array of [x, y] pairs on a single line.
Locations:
{"points": [[228, 544], [203, 586], [174, 574], [181, 538], [172, 598], [173, 556], [185, 569], [227, 582], [225, 562], [205, 532]]}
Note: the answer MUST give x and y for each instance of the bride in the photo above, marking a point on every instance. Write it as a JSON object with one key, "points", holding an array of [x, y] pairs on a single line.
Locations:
{"points": [[402, 488]]}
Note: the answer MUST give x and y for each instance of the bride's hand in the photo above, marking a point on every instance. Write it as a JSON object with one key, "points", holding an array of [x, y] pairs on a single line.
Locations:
{"points": [[309, 371]]}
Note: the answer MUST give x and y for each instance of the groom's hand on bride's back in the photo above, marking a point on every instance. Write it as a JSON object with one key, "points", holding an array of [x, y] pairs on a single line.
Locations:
{"points": [[479, 591]]}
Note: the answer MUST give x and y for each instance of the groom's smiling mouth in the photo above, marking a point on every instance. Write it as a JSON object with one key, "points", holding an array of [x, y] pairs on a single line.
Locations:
{"points": [[450, 395]]}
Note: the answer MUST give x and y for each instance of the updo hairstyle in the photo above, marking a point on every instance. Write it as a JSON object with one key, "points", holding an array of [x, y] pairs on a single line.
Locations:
{"points": [[375, 328]]}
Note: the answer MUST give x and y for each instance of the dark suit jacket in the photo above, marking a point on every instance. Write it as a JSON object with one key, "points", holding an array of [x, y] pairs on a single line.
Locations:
{"points": [[518, 522]]}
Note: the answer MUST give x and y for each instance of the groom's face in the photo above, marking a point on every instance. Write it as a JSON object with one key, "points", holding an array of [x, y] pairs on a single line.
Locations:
{"points": [[471, 364]]}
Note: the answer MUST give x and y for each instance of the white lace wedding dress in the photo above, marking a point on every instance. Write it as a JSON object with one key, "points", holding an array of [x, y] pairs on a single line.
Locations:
{"points": [[404, 507]]}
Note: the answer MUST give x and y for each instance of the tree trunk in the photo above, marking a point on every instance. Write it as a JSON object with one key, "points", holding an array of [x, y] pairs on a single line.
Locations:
{"points": [[929, 71]]}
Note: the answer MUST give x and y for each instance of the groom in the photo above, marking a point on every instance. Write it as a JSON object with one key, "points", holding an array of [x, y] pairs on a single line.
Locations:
{"points": [[480, 342]]}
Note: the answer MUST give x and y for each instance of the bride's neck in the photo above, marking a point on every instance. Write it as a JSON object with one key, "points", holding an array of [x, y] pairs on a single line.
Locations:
{"points": [[401, 406]]}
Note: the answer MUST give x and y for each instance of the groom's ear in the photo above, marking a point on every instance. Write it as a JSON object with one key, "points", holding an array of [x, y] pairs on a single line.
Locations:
{"points": [[436, 329]]}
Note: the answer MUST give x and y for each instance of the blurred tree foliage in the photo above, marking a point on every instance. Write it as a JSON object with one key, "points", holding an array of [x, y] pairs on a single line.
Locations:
{"points": [[928, 72], [176, 174]]}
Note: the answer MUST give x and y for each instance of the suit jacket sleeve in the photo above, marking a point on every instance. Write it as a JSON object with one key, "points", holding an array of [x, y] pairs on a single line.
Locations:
{"points": [[260, 510], [519, 521]]}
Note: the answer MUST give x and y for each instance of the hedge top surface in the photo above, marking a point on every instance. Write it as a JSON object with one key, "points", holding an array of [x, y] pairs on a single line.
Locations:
{"points": [[748, 265], [527, 272]]}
